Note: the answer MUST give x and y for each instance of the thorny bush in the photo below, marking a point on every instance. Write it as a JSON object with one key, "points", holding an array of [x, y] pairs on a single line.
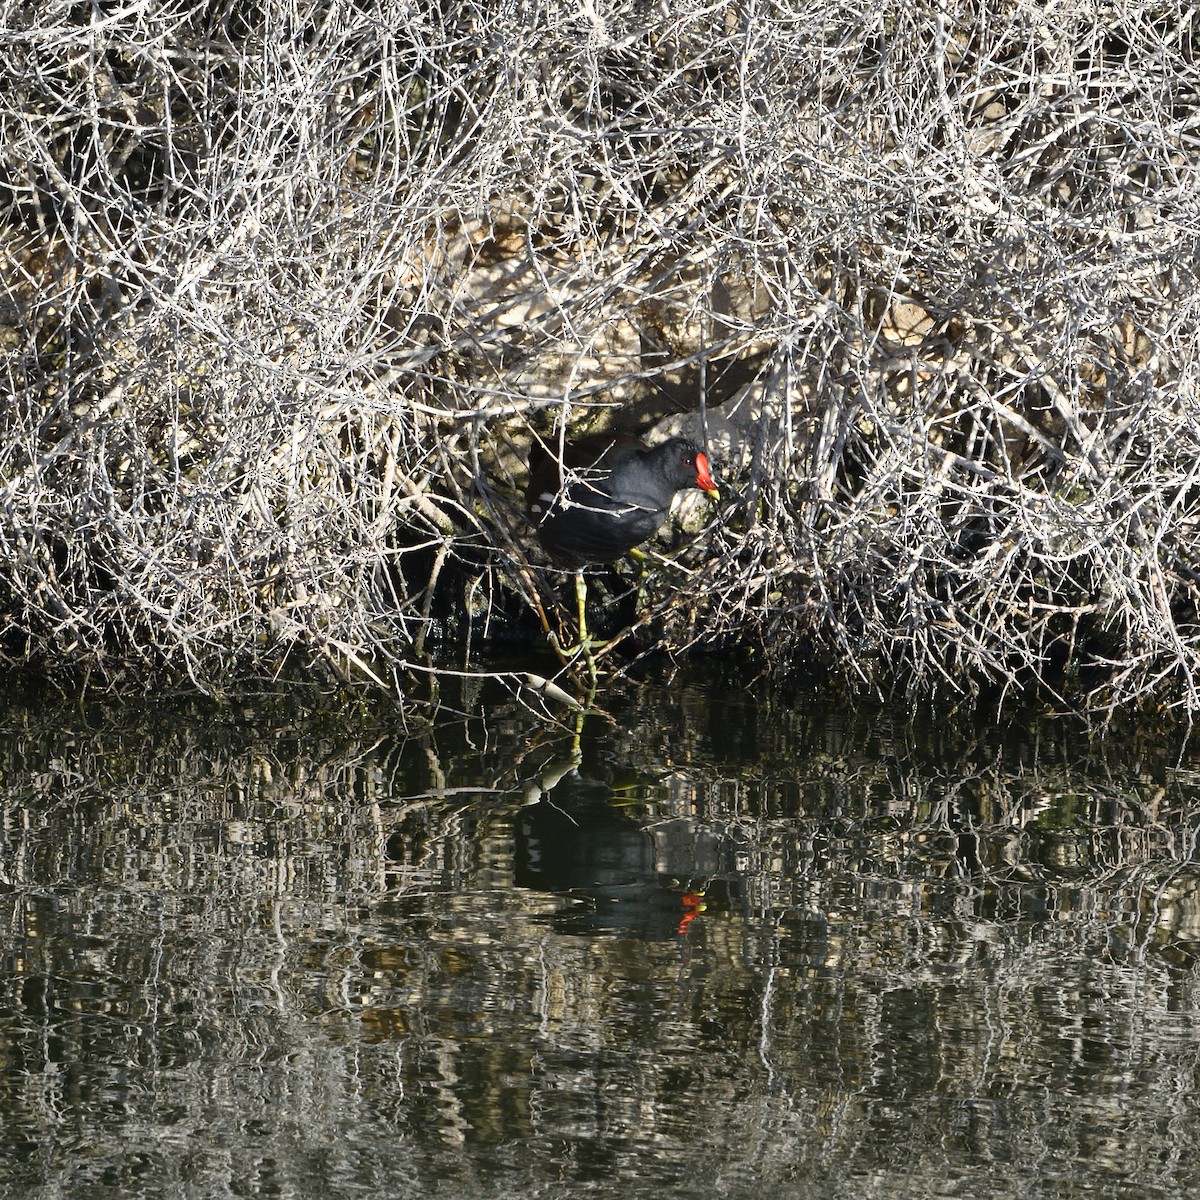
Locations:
{"points": [[289, 286]]}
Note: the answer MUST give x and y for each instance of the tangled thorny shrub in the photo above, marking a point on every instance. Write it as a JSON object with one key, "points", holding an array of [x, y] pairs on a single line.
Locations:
{"points": [[289, 286]]}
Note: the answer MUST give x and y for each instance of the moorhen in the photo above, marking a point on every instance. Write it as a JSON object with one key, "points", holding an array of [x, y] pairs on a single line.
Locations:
{"points": [[617, 493]]}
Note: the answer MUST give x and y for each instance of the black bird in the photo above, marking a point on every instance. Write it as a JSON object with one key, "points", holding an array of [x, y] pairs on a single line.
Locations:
{"points": [[616, 493]]}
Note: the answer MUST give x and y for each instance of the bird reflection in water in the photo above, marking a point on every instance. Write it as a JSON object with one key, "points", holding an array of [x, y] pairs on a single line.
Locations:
{"points": [[573, 840]]}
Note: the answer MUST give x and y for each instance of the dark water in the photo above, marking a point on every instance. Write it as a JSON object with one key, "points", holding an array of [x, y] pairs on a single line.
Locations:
{"points": [[750, 947]]}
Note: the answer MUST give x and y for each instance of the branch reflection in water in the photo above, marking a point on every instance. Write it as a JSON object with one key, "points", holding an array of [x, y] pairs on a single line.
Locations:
{"points": [[267, 950]]}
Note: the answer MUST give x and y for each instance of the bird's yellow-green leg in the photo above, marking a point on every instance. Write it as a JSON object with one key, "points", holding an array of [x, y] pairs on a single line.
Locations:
{"points": [[581, 599], [584, 645], [585, 638], [643, 560]]}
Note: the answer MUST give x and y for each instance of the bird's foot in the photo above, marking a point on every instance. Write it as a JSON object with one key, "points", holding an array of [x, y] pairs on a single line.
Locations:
{"points": [[581, 652], [584, 647]]}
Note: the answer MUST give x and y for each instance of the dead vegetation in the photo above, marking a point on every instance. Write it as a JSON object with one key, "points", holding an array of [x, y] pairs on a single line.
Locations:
{"points": [[288, 285]]}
